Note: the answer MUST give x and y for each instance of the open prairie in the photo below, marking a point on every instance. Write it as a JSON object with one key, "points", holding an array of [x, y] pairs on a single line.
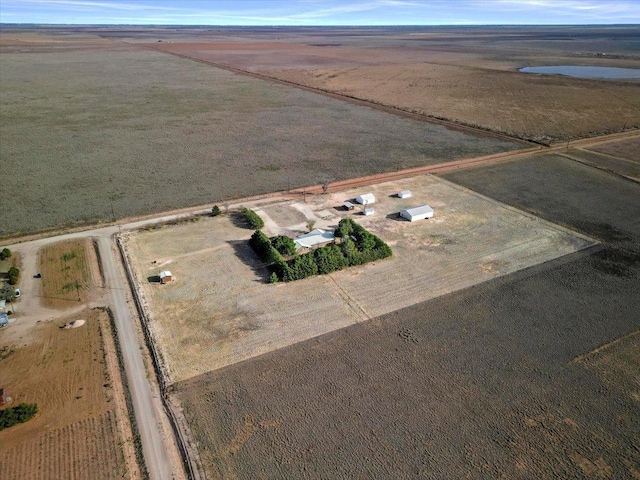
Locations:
{"points": [[81, 430], [532, 375], [118, 130], [220, 310], [467, 74]]}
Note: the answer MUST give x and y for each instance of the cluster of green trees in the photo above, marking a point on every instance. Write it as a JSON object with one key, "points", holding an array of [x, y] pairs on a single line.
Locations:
{"points": [[19, 414], [4, 254], [254, 220], [14, 274], [358, 246]]}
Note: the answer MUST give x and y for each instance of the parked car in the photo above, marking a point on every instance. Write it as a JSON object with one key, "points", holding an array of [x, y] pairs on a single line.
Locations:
{"points": [[16, 292]]}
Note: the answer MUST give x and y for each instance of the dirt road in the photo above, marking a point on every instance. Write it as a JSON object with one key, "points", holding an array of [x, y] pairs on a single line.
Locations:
{"points": [[147, 414]]}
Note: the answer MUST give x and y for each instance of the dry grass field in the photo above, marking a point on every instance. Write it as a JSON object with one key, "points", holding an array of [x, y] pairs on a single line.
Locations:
{"points": [[120, 130], [533, 375], [69, 273], [220, 310], [467, 75], [80, 431]]}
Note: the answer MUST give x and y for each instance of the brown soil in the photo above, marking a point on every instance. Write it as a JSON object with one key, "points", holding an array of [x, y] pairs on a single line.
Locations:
{"points": [[80, 428], [627, 149]]}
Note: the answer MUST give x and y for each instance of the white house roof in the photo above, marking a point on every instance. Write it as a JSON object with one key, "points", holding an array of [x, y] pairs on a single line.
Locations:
{"points": [[165, 273], [366, 198], [419, 211], [313, 238]]}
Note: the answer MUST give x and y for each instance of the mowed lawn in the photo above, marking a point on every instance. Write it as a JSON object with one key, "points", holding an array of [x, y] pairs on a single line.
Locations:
{"points": [[93, 134]]}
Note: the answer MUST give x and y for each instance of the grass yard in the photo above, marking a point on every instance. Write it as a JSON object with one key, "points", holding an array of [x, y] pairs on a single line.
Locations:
{"points": [[68, 273]]}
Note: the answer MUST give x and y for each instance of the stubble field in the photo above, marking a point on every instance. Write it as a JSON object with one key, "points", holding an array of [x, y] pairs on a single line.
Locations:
{"points": [[532, 375], [121, 130]]}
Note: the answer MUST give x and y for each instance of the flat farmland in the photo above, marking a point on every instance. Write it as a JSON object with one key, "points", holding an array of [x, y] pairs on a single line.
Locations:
{"points": [[82, 429], [626, 149], [464, 75], [532, 375], [620, 166], [220, 310], [122, 130]]}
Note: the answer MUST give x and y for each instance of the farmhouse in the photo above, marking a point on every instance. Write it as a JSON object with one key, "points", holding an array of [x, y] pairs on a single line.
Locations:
{"points": [[315, 238], [417, 213], [165, 276], [404, 194], [366, 199]]}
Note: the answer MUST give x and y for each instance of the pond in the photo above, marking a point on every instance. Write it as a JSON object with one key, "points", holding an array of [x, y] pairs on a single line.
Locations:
{"points": [[586, 72]]}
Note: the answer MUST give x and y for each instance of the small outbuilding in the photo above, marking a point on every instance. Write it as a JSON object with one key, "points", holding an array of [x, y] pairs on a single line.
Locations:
{"points": [[4, 320], [369, 211], [315, 238], [165, 276], [349, 205], [366, 199], [417, 213], [404, 194]]}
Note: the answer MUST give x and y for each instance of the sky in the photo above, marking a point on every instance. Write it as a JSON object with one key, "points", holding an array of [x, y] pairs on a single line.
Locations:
{"points": [[320, 12]]}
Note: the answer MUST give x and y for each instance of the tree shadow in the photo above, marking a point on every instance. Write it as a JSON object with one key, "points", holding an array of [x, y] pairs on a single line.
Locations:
{"points": [[244, 252], [238, 220]]}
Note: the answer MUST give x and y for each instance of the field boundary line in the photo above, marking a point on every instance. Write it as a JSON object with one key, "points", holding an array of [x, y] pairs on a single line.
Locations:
{"points": [[604, 346], [188, 451], [392, 109], [597, 167]]}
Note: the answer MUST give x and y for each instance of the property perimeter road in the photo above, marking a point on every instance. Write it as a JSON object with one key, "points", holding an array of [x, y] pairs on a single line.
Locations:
{"points": [[153, 446]]}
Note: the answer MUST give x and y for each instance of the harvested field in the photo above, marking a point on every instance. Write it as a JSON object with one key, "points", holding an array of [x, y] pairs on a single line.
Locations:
{"points": [[122, 130], [80, 431], [69, 272], [219, 310], [519, 377], [626, 149], [620, 166]]}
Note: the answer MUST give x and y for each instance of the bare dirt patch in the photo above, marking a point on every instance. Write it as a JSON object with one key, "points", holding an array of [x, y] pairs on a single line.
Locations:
{"points": [[219, 309], [80, 430], [70, 273]]}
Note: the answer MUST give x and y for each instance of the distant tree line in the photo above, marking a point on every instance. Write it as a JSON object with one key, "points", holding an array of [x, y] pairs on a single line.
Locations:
{"points": [[358, 246], [19, 414]]}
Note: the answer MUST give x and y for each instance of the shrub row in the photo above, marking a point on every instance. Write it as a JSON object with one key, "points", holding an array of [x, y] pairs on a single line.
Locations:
{"points": [[254, 220], [19, 414], [358, 247], [14, 274]]}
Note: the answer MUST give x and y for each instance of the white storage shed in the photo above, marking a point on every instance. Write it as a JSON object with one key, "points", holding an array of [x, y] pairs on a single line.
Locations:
{"points": [[404, 194], [369, 211], [417, 213], [366, 199], [165, 276]]}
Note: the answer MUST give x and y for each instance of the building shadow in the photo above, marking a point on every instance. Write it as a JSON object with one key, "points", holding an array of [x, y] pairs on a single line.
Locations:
{"points": [[397, 217], [153, 279]]}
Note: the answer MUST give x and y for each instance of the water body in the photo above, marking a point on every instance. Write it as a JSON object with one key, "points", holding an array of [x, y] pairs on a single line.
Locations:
{"points": [[586, 72]]}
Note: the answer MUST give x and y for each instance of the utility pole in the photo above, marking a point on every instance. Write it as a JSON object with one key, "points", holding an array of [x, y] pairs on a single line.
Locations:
{"points": [[113, 213]]}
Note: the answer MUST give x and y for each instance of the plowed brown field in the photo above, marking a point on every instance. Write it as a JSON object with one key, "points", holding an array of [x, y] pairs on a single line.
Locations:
{"points": [[79, 432]]}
